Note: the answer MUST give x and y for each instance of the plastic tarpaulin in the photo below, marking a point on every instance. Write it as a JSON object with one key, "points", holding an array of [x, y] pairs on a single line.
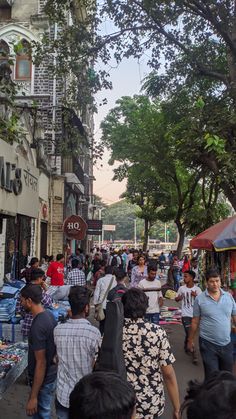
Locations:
{"points": [[219, 237]]}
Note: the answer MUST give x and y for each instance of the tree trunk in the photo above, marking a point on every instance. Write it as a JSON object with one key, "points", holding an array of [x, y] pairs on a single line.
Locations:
{"points": [[181, 238], [230, 193], [146, 232]]}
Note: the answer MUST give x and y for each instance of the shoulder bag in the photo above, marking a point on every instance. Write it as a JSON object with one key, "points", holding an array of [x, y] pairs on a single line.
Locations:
{"points": [[99, 314]]}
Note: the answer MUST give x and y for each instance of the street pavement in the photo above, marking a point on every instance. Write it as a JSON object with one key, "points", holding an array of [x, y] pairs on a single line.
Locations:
{"points": [[13, 403]]}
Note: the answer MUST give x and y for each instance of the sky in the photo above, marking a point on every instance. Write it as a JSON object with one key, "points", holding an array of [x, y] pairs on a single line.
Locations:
{"points": [[126, 79]]}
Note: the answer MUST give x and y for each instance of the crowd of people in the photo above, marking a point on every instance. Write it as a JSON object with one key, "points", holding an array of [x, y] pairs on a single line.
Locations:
{"points": [[64, 357]]}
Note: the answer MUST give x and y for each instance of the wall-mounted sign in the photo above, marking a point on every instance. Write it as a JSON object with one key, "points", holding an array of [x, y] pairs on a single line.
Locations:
{"points": [[94, 227], [109, 227], [19, 192], [75, 228]]}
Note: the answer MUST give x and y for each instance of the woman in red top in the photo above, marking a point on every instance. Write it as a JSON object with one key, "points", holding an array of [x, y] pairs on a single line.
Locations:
{"points": [[186, 264], [56, 271]]}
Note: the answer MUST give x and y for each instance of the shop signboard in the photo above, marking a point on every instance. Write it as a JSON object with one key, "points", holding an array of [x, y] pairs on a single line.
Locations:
{"points": [[75, 228], [94, 227], [18, 183]]}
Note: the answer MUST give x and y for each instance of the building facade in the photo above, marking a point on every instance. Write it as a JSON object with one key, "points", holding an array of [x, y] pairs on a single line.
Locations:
{"points": [[51, 184]]}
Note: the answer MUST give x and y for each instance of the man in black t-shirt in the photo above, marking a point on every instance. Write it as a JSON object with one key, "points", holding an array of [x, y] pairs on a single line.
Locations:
{"points": [[41, 367]]}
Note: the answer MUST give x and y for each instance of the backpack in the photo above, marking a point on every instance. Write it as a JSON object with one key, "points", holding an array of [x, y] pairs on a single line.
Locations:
{"points": [[114, 261], [111, 357]]}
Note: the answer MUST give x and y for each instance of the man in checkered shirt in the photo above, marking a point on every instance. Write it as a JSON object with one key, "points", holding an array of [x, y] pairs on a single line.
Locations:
{"points": [[77, 343], [76, 276], [37, 278]]}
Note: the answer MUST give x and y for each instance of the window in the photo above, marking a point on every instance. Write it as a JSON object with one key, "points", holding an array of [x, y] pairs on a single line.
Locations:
{"points": [[23, 62], [4, 52], [5, 11]]}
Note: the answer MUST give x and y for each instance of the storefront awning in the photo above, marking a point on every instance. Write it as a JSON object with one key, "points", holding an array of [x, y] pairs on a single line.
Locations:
{"points": [[219, 237]]}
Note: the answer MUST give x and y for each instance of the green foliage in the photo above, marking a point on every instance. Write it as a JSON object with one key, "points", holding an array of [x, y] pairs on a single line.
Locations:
{"points": [[196, 41], [144, 137]]}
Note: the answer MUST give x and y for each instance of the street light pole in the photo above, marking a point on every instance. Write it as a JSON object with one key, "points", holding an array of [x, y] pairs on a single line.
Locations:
{"points": [[135, 233], [100, 217]]}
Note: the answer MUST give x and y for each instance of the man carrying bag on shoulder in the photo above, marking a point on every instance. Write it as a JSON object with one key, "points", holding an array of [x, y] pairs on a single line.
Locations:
{"points": [[104, 285]]}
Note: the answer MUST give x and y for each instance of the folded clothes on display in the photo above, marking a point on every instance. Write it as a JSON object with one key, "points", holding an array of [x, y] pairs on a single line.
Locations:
{"points": [[11, 356], [170, 315], [7, 309]]}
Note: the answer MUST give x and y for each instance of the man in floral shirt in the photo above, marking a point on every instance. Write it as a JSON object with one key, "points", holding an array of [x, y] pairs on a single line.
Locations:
{"points": [[148, 359]]}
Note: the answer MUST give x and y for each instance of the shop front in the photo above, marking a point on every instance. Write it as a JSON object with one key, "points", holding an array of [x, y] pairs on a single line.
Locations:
{"points": [[18, 209]]}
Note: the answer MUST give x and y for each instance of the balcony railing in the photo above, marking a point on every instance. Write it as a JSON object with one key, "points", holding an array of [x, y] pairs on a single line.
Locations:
{"points": [[72, 165]]}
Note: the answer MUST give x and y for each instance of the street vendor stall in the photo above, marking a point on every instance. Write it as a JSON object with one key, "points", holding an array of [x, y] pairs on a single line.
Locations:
{"points": [[13, 361], [218, 244]]}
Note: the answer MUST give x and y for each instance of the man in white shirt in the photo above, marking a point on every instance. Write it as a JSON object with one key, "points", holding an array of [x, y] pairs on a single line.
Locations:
{"points": [[77, 343], [103, 286], [152, 288], [187, 294]]}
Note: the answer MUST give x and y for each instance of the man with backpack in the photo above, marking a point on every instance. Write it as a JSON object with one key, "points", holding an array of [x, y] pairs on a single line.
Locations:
{"points": [[116, 293]]}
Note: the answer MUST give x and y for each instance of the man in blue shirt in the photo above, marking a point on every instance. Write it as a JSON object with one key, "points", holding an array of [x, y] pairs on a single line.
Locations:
{"points": [[212, 313]]}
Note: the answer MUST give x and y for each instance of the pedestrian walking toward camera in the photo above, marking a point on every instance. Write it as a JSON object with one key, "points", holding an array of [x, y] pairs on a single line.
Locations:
{"points": [[42, 369], [155, 297], [187, 294], [212, 313], [139, 272]]}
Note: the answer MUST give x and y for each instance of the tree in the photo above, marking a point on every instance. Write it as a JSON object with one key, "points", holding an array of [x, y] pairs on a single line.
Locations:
{"points": [[143, 191], [197, 39], [141, 137]]}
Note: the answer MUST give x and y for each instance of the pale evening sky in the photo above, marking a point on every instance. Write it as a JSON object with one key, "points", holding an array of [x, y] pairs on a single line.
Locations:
{"points": [[126, 80]]}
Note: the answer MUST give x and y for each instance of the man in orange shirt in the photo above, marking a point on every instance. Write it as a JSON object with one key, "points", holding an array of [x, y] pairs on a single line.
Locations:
{"points": [[56, 271]]}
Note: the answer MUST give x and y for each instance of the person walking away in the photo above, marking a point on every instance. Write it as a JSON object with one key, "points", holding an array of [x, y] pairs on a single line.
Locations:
{"points": [[76, 276], [56, 270], [148, 359], [116, 293], [116, 397], [187, 294], [212, 313], [102, 289], [155, 297], [176, 272], [139, 272], [100, 273], [42, 370], [26, 273], [96, 263], [115, 260], [162, 262], [77, 343], [37, 278]]}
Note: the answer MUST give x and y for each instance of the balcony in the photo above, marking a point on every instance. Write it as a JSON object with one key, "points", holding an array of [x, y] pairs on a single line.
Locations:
{"points": [[74, 173]]}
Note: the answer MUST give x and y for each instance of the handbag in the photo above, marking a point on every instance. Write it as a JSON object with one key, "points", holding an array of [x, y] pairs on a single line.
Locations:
{"points": [[99, 314]]}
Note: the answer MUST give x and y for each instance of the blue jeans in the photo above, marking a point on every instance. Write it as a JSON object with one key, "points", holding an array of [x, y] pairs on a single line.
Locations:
{"points": [[62, 412], [45, 399], [176, 276], [152, 317], [215, 357]]}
